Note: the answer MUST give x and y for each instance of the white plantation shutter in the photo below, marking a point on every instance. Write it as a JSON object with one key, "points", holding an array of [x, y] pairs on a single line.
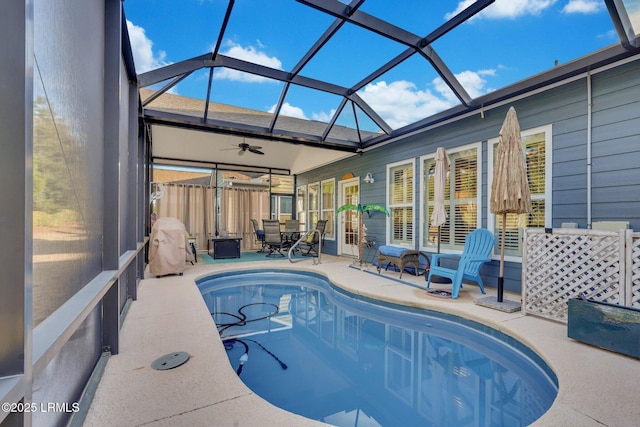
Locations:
{"points": [[429, 233], [461, 200], [401, 203], [301, 207], [536, 159], [464, 196], [313, 210], [328, 206]]}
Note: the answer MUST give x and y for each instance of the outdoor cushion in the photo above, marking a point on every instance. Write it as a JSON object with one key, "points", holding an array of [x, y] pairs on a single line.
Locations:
{"points": [[398, 256], [390, 250]]}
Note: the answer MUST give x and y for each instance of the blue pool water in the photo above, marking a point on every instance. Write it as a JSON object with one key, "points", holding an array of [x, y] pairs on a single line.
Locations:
{"points": [[312, 349]]}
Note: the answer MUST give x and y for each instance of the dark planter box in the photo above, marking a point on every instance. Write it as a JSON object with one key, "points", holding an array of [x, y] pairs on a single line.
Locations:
{"points": [[605, 325]]}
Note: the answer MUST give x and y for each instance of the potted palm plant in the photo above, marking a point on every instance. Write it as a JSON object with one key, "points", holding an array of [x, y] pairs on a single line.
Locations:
{"points": [[361, 209]]}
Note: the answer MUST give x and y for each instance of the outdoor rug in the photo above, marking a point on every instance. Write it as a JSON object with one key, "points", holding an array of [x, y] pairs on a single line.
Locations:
{"points": [[244, 257]]}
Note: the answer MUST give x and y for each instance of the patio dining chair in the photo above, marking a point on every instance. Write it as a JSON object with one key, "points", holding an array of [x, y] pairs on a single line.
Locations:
{"points": [[477, 247], [311, 243], [273, 238], [259, 235], [291, 231]]}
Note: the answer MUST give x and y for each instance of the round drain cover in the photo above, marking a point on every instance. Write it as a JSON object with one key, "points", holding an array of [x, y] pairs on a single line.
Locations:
{"points": [[170, 361]]}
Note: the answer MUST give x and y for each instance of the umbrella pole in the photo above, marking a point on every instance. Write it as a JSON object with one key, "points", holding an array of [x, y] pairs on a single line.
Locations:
{"points": [[501, 275], [435, 278]]}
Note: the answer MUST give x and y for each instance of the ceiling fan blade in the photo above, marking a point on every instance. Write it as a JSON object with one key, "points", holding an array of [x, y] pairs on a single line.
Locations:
{"points": [[253, 150]]}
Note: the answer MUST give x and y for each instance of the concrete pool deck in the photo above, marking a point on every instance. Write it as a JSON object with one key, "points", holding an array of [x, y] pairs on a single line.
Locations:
{"points": [[597, 387]]}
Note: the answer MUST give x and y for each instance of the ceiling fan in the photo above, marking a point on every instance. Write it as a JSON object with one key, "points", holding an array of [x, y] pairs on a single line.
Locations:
{"points": [[244, 147]]}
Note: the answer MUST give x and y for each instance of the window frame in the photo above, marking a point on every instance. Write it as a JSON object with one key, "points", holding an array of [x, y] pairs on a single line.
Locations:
{"points": [[390, 206], [311, 218], [424, 211], [548, 187], [301, 202], [330, 231]]}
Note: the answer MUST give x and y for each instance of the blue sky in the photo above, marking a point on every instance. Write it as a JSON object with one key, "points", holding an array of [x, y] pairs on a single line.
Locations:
{"points": [[507, 42]]}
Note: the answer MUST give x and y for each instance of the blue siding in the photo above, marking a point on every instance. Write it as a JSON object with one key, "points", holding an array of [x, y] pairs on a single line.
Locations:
{"points": [[615, 154]]}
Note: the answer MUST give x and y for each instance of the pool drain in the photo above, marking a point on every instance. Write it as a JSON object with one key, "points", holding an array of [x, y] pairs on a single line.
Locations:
{"points": [[170, 361]]}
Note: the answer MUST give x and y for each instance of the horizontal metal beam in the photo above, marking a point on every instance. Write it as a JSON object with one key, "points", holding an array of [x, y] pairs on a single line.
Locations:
{"points": [[460, 18], [239, 129], [364, 20], [55, 331], [280, 75], [556, 76], [193, 64], [172, 161], [170, 71]]}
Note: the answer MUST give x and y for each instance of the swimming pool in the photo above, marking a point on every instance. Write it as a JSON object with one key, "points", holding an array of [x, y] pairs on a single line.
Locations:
{"points": [[310, 348]]}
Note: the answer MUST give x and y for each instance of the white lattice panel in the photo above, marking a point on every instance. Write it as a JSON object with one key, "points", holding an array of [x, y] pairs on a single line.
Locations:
{"points": [[566, 263], [633, 270]]}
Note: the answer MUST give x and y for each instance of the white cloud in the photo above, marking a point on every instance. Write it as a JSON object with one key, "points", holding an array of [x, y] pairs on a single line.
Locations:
{"points": [[322, 116], [506, 8], [250, 54], [143, 56], [583, 6], [400, 103], [290, 111]]}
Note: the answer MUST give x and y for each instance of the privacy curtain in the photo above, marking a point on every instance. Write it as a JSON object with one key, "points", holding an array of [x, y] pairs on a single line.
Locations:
{"points": [[193, 205], [238, 207]]}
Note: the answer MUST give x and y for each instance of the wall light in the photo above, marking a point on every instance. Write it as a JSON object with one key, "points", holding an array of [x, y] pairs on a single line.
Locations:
{"points": [[369, 178]]}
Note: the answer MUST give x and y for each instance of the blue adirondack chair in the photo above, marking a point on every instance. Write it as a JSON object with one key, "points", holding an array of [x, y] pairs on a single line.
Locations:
{"points": [[477, 247]]}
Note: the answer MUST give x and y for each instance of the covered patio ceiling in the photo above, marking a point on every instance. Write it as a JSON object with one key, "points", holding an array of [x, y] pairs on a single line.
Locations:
{"points": [[211, 131]]}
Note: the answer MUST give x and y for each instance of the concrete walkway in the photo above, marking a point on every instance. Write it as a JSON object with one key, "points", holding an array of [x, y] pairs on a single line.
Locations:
{"points": [[597, 387]]}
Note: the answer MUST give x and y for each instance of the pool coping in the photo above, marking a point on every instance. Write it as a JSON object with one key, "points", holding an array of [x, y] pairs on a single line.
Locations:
{"points": [[596, 387]]}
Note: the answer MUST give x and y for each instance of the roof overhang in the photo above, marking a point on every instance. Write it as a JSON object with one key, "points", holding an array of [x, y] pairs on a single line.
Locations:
{"points": [[185, 145]]}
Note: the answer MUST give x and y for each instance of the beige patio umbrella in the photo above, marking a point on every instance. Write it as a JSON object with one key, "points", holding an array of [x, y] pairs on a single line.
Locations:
{"points": [[510, 185], [439, 214]]}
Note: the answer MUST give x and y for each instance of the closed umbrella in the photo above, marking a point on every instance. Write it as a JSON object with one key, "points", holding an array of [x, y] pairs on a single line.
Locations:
{"points": [[510, 185], [439, 214]]}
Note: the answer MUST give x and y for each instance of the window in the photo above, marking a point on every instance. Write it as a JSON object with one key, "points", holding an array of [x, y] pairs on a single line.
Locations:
{"points": [[537, 146], [317, 201], [461, 198], [281, 206], [301, 206], [313, 207], [328, 206], [400, 203]]}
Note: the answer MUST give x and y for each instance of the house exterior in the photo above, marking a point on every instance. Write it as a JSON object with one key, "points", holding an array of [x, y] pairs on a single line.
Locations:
{"points": [[582, 144], [76, 163]]}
